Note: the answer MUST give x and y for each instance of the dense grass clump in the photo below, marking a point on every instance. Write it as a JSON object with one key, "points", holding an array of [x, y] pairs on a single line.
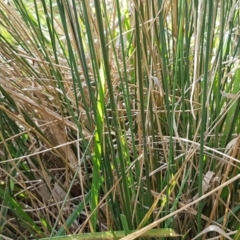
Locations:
{"points": [[119, 119]]}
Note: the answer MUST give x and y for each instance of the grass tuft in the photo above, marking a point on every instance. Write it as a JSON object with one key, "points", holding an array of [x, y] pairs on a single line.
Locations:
{"points": [[119, 119]]}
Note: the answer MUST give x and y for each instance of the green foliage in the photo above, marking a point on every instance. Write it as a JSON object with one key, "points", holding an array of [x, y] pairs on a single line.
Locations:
{"points": [[119, 115]]}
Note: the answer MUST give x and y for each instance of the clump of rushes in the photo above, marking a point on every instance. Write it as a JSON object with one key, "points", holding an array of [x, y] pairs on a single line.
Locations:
{"points": [[119, 117]]}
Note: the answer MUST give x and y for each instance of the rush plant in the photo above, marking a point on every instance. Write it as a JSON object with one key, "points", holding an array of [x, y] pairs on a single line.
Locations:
{"points": [[118, 117]]}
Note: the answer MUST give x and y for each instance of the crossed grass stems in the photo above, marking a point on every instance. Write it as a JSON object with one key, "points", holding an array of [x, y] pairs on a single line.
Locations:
{"points": [[97, 136]]}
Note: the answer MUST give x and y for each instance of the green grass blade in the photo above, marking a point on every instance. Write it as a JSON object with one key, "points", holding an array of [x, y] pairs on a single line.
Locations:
{"points": [[75, 214]]}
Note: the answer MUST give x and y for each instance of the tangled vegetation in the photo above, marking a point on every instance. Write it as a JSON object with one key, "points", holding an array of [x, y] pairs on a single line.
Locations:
{"points": [[119, 119]]}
